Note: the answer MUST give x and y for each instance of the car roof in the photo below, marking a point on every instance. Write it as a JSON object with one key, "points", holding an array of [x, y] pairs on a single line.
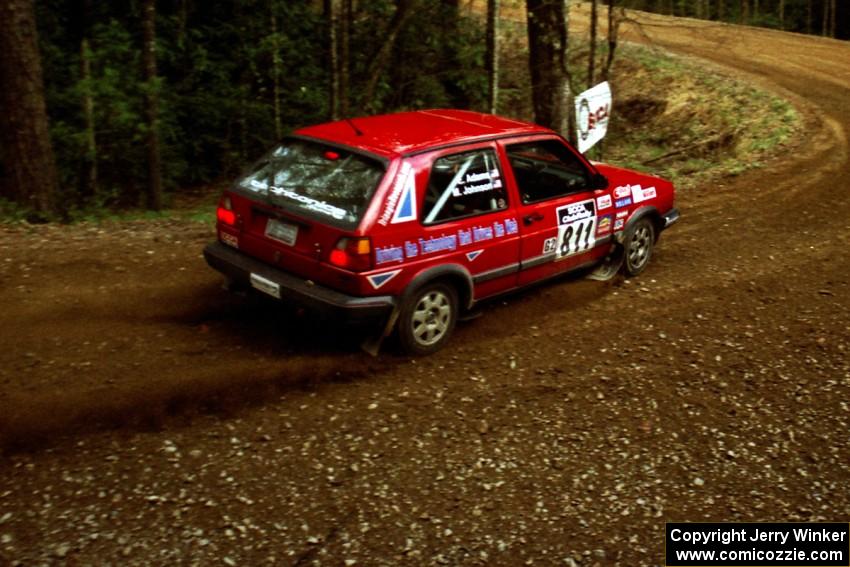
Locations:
{"points": [[389, 135]]}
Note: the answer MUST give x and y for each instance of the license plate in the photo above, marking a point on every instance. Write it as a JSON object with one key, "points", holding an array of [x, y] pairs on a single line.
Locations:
{"points": [[282, 231], [265, 285]]}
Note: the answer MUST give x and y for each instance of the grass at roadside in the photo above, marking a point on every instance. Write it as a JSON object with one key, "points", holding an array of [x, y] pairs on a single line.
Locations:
{"points": [[677, 118], [200, 209]]}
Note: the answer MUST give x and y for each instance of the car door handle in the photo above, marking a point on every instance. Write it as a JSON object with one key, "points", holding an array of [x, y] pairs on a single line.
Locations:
{"points": [[532, 218]]}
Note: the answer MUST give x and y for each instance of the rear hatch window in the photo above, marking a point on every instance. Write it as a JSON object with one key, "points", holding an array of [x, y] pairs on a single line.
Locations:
{"points": [[322, 182]]}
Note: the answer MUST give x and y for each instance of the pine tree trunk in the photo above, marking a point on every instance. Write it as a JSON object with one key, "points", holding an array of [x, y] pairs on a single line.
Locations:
{"points": [[613, 29], [591, 58], [152, 106], [31, 178], [825, 23], [492, 56], [721, 10], [403, 11], [809, 16], [548, 62], [90, 160], [332, 20], [278, 127], [782, 14], [345, 58], [182, 18], [832, 12]]}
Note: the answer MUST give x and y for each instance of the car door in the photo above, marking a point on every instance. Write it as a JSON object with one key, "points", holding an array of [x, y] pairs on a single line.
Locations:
{"points": [[557, 207], [467, 218]]}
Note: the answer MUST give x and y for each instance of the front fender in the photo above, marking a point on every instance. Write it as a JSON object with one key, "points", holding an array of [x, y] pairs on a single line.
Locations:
{"points": [[640, 213]]}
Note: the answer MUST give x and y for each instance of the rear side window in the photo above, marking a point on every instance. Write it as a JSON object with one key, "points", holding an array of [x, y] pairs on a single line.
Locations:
{"points": [[546, 169], [463, 185], [325, 182]]}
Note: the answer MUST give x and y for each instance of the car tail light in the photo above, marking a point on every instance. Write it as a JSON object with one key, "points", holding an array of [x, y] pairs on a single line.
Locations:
{"points": [[353, 254], [225, 213]]}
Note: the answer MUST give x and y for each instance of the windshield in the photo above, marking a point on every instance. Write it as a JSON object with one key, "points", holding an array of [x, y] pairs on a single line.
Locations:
{"points": [[328, 183]]}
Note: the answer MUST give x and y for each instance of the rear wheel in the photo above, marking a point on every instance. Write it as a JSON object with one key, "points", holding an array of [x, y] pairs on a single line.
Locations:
{"points": [[638, 247], [427, 318]]}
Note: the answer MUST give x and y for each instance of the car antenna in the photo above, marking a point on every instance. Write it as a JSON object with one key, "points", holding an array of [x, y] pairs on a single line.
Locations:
{"points": [[353, 126]]}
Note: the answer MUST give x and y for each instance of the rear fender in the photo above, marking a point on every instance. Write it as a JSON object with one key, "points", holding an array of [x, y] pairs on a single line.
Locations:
{"points": [[455, 274]]}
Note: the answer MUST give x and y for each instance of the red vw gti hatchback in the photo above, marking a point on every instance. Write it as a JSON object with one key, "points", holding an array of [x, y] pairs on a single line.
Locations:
{"points": [[408, 220]]}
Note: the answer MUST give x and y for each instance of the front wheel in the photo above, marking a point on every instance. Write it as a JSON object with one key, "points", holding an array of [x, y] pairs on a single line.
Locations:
{"points": [[427, 319], [638, 247]]}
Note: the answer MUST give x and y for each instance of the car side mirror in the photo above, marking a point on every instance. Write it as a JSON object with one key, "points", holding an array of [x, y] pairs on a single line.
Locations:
{"points": [[598, 181]]}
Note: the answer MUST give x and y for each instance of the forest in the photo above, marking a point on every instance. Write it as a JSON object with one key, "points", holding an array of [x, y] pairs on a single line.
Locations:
{"points": [[111, 104]]}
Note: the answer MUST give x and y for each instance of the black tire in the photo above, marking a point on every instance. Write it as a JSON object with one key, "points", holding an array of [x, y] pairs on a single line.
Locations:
{"points": [[638, 246], [427, 319]]}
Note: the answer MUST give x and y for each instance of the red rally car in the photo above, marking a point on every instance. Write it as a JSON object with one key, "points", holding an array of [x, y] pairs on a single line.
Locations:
{"points": [[410, 219]]}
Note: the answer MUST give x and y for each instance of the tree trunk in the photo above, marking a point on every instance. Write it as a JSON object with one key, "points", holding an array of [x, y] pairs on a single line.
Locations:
{"points": [[31, 178], [721, 10], [591, 58], [809, 16], [613, 30], [90, 159], [745, 12], [755, 10], [548, 62], [825, 22], [88, 176], [379, 62], [832, 13], [278, 127], [492, 56], [152, 106], [332, 21], [345, 58], [782, 14], [182, 19]]}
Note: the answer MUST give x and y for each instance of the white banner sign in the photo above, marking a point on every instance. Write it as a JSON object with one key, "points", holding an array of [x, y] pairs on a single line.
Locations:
{"points": [[593, 107]]}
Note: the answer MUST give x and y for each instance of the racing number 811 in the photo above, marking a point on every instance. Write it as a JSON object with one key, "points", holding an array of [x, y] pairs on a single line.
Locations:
{"points": [[576, 237]]}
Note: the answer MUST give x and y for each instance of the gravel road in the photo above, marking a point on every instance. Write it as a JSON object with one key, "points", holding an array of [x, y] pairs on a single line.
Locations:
{"points": [[150, 418]]}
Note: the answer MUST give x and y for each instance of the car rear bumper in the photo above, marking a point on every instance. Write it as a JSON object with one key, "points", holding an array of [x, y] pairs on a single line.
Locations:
{"points": [[319, 299]]}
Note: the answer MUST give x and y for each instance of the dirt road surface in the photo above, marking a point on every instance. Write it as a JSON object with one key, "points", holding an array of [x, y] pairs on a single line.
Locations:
{"points": [[150, 418]]}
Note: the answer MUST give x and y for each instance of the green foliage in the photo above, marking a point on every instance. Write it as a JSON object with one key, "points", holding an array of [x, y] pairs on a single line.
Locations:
{"points": [[218, 63], [11, 212]]}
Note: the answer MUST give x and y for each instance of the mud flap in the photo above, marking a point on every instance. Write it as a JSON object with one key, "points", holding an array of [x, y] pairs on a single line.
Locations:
{"points": [[372, 344], [609, 267]]}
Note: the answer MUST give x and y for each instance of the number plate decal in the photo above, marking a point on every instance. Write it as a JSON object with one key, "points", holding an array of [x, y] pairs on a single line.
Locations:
{"points": [[576, 228], [282, 231]]}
